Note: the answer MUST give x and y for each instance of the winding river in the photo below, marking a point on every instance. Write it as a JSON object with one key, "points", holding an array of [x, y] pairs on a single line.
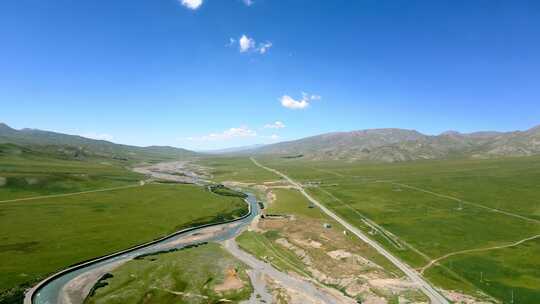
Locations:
{"points": [[49, 291]]}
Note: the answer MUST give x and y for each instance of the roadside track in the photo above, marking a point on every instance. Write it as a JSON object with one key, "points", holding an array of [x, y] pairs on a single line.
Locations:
{"points": [[435, 296], [469, 203], [67, 194], [432, 262]]}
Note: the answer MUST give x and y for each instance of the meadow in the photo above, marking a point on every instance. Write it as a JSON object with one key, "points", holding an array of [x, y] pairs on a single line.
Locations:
{"points": [[239, 169], [424, 210], [44, 235], [28, 172]]}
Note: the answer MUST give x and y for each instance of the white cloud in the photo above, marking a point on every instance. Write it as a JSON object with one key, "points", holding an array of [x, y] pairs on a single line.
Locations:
{"points": [[248, 2], [231, 133], [246, 43], [192, 4], [276, 125], [291, 103], [274, 137], [98, 136]]}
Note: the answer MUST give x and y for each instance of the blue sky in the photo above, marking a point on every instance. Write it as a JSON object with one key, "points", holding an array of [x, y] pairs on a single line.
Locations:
{"points": [[166, 72]]}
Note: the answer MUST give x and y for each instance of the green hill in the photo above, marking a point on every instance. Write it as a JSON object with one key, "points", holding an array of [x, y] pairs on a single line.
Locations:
{"points": [[80, 147]]}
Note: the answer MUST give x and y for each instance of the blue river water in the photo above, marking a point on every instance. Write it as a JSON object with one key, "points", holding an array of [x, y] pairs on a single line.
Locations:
{"points": [[49, 292]]}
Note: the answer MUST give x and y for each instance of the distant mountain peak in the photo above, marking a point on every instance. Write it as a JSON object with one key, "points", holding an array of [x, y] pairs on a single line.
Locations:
{"points": [[534, 129], [451, 133], [4, 126]]}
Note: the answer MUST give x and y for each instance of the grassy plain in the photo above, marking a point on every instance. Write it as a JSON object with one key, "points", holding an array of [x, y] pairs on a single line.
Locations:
{"points": [[185, 276], [66, 230], [433, 208], [27, 173], [239, 169]]}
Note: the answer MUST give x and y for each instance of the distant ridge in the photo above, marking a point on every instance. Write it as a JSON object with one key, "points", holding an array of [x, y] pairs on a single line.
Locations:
{"points": [[394, 145], [233, 149], [74, 144]]}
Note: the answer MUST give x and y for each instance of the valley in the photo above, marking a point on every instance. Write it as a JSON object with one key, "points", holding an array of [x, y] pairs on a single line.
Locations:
{"points": [[458, 210], [65, 211], [462, 230]]}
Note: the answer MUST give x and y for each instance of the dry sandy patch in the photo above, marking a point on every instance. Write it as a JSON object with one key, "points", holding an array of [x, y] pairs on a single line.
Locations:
{"points": [[231, 281]]}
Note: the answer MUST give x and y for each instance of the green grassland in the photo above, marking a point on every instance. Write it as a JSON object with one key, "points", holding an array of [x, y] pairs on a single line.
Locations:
{"points": [[26, 172], [239, 169], [289, 201], [512, 183], [184, 276], [222, 190], [42, 236], [437, 207], [501, 273]]}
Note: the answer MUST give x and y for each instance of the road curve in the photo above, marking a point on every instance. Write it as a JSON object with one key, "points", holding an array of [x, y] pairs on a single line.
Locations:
{"points": [[435, 296]]}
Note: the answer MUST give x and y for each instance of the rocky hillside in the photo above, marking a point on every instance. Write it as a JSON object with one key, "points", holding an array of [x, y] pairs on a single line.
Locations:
{"points": [[391, 145]]}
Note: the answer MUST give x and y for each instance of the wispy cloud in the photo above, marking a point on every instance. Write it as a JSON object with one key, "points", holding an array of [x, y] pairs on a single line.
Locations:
{"points": [[274, 137], [192, 4], [231, 133], [264, 47], [232, 41], [276, 125], [98, 136], [248, 2], [291, 103], [247, 44]]}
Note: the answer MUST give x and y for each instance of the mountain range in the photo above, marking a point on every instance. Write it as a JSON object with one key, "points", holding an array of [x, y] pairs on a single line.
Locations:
{"points": [[379, 145], [393, 145]]}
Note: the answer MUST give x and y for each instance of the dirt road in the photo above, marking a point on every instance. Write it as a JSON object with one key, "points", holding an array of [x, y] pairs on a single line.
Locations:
{"points": [[68, 194], [434, 295], [309, 292], [433, 262]]}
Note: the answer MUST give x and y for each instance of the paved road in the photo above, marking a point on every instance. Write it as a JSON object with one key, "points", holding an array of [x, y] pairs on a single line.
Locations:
{"points": [[435, 296]]}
